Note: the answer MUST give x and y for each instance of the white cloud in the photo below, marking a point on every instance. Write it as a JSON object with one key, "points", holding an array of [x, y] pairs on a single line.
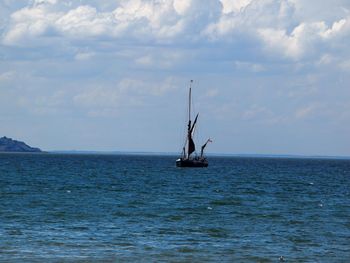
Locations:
{"points": [[319, 110], [247, 17], [99, 101], [306, 38], [85, 21], [27, 24], [244, 65], [84, 55], [336, 28], [40, 2], [230, 6], [305, 112], [145, 60], [43, 104], [98, 96], [141, 20], [326, 59], [182, 6], [278, 41], [139, 87], [7, 76], [258, 113], [162, 59]]}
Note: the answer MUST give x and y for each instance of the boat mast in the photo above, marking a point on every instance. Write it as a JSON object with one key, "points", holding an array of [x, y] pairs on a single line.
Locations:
{"points": [[189, 139], [189, 101]]}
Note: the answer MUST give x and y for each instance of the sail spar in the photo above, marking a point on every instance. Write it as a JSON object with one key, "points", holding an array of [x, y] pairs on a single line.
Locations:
{"points": [[194, 123], [204, 145]]}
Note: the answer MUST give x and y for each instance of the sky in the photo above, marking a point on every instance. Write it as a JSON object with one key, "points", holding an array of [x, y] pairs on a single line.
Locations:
{"points": [[270, 76]]}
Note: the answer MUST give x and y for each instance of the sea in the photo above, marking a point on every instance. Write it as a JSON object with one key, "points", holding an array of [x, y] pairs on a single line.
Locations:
{"points": [[141, 208]]}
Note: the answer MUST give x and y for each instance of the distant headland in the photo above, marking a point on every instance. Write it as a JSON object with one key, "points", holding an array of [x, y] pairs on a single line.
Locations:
{"points": [[10, 145]]}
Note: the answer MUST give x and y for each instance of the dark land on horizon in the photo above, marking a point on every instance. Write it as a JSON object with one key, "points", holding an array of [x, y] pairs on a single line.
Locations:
{"points": [[10, 145]]}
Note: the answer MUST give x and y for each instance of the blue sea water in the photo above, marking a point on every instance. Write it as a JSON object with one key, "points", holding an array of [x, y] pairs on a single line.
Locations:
{"points": [[129, 208]]}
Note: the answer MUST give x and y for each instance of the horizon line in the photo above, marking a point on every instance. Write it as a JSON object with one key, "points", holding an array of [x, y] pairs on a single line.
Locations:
{"points": [[208, 154]]}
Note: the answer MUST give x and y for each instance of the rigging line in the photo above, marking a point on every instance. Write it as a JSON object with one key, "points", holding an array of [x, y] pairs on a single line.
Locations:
{"points": [[190, 101], [184, 134]]}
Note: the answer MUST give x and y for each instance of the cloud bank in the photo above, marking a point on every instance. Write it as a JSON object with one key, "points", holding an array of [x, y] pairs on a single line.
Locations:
{"points": [[277, 27]]}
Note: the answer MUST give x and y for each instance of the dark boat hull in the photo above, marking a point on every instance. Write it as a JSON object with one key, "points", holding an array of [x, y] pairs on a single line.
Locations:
{"points": [[191, 163]]}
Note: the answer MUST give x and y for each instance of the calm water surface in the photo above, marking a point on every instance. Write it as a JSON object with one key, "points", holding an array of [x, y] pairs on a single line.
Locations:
{"points": [[119, 208]]}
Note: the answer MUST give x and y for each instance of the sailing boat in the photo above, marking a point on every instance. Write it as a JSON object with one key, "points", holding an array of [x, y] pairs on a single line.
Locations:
{"points": [[186, 160]]}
